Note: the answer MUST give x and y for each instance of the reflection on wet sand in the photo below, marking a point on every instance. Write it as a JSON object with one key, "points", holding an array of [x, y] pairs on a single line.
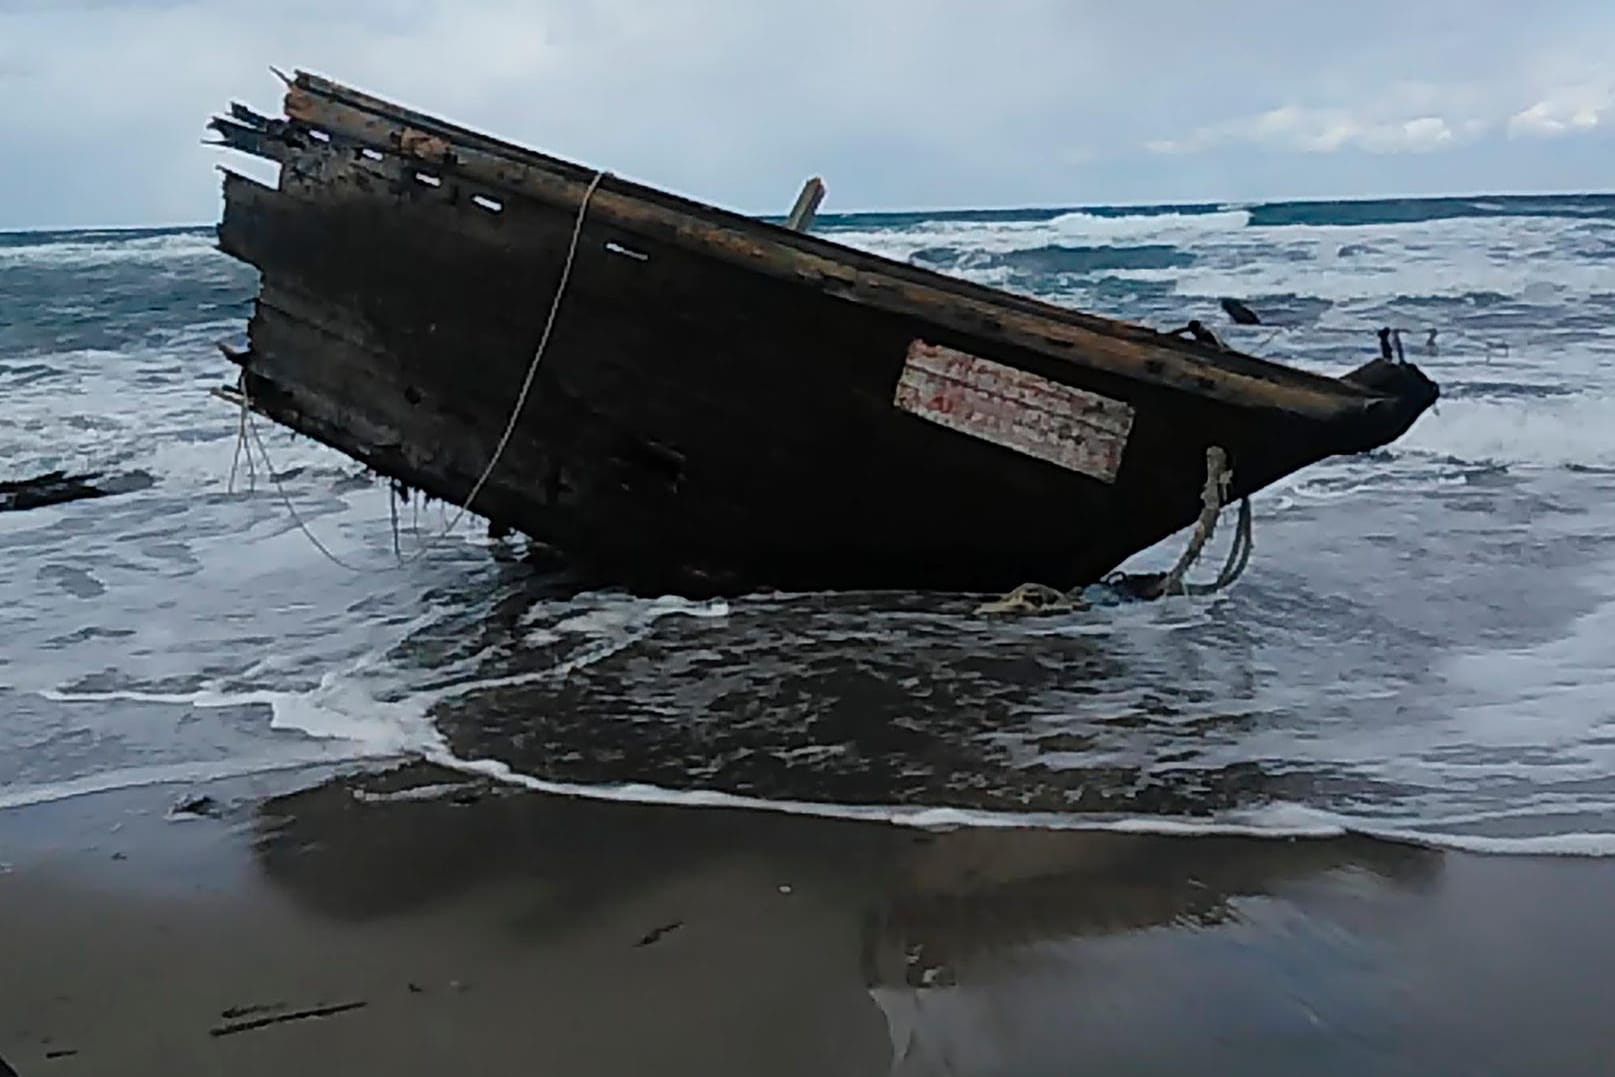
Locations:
{"points": [[970, 897], [414, 922], [833, 922]]}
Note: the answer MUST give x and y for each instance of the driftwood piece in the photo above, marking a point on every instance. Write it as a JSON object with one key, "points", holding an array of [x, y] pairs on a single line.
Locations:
{"points": [[1239, 313], [235, 1028], [58, 487]]}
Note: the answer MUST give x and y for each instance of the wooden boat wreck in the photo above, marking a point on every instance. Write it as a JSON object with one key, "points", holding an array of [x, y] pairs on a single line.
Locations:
{"points": [[681, 398]]}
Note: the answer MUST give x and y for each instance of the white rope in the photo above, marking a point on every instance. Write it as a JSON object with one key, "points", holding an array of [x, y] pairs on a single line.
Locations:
{"points": [[297, 518], [532, 373], [249, 425], [241, 443], [1212, 496], [392, 514], [1239, 555], [1036, 598]]}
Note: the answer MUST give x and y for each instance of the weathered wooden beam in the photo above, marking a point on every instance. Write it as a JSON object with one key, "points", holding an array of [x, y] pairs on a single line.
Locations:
{"points": [[807, 205], [1064, 336], [249, 138], [245, 115]]}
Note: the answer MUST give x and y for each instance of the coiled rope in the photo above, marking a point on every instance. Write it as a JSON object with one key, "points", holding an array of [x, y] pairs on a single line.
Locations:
{"points": [[248, 425], [1041, 598], [1213, 496]]}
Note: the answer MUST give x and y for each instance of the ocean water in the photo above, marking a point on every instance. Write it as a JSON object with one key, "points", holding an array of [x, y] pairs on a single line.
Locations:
{"points": [[1421, 647]]}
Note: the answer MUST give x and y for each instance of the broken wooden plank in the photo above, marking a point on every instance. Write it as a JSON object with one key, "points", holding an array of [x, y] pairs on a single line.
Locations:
{"points": [[801, 216], [245, 115], [249, 139]]}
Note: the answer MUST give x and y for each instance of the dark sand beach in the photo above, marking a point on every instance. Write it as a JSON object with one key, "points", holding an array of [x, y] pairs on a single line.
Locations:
{"points": [[414, 922]]}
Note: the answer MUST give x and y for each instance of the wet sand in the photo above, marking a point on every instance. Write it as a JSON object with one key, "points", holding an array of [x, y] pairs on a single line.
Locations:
{"points": [[413, 922]]}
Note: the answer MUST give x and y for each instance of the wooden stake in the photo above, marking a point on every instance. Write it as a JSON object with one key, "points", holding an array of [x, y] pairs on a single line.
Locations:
{"points": [[807, 204]]}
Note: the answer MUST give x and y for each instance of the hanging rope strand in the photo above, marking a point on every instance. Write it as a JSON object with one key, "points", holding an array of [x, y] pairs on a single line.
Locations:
{"points": [[1212, 495], [1239, 555], [249, 425], [1041, 598], [297, 517], [241, 442], [527, 382]]}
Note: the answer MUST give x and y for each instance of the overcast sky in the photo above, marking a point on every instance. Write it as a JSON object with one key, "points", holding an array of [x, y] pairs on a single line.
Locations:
{"points": [[897, 103]]}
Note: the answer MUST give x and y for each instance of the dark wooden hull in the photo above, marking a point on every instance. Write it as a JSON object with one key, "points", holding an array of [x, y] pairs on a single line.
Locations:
{"points": [[726, 404]]}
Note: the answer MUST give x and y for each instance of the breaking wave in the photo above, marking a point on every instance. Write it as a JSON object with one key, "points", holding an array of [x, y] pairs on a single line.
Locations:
{"points": [[1107, 225], [1055, 258], [75, 250], [1420, 210], [1556, 431], [1226, 216], [1279, 821]]}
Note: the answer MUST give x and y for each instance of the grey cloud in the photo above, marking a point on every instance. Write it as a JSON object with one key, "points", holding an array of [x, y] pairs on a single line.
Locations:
{"points": [[1568, 110], [899, 103], [1326, 131]]}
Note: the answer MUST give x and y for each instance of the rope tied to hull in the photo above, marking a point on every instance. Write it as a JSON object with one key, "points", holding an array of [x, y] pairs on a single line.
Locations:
{"points": [[1212, 496], [1032, 598], [248, 425], [1213, 499]]}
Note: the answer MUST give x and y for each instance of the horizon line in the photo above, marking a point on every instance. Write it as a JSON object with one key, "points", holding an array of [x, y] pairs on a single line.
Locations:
{"points": [[1232, 204]]}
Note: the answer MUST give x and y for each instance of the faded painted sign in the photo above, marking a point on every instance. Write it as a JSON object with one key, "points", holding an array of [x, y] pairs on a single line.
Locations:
{"points": [[1075, 429]]}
